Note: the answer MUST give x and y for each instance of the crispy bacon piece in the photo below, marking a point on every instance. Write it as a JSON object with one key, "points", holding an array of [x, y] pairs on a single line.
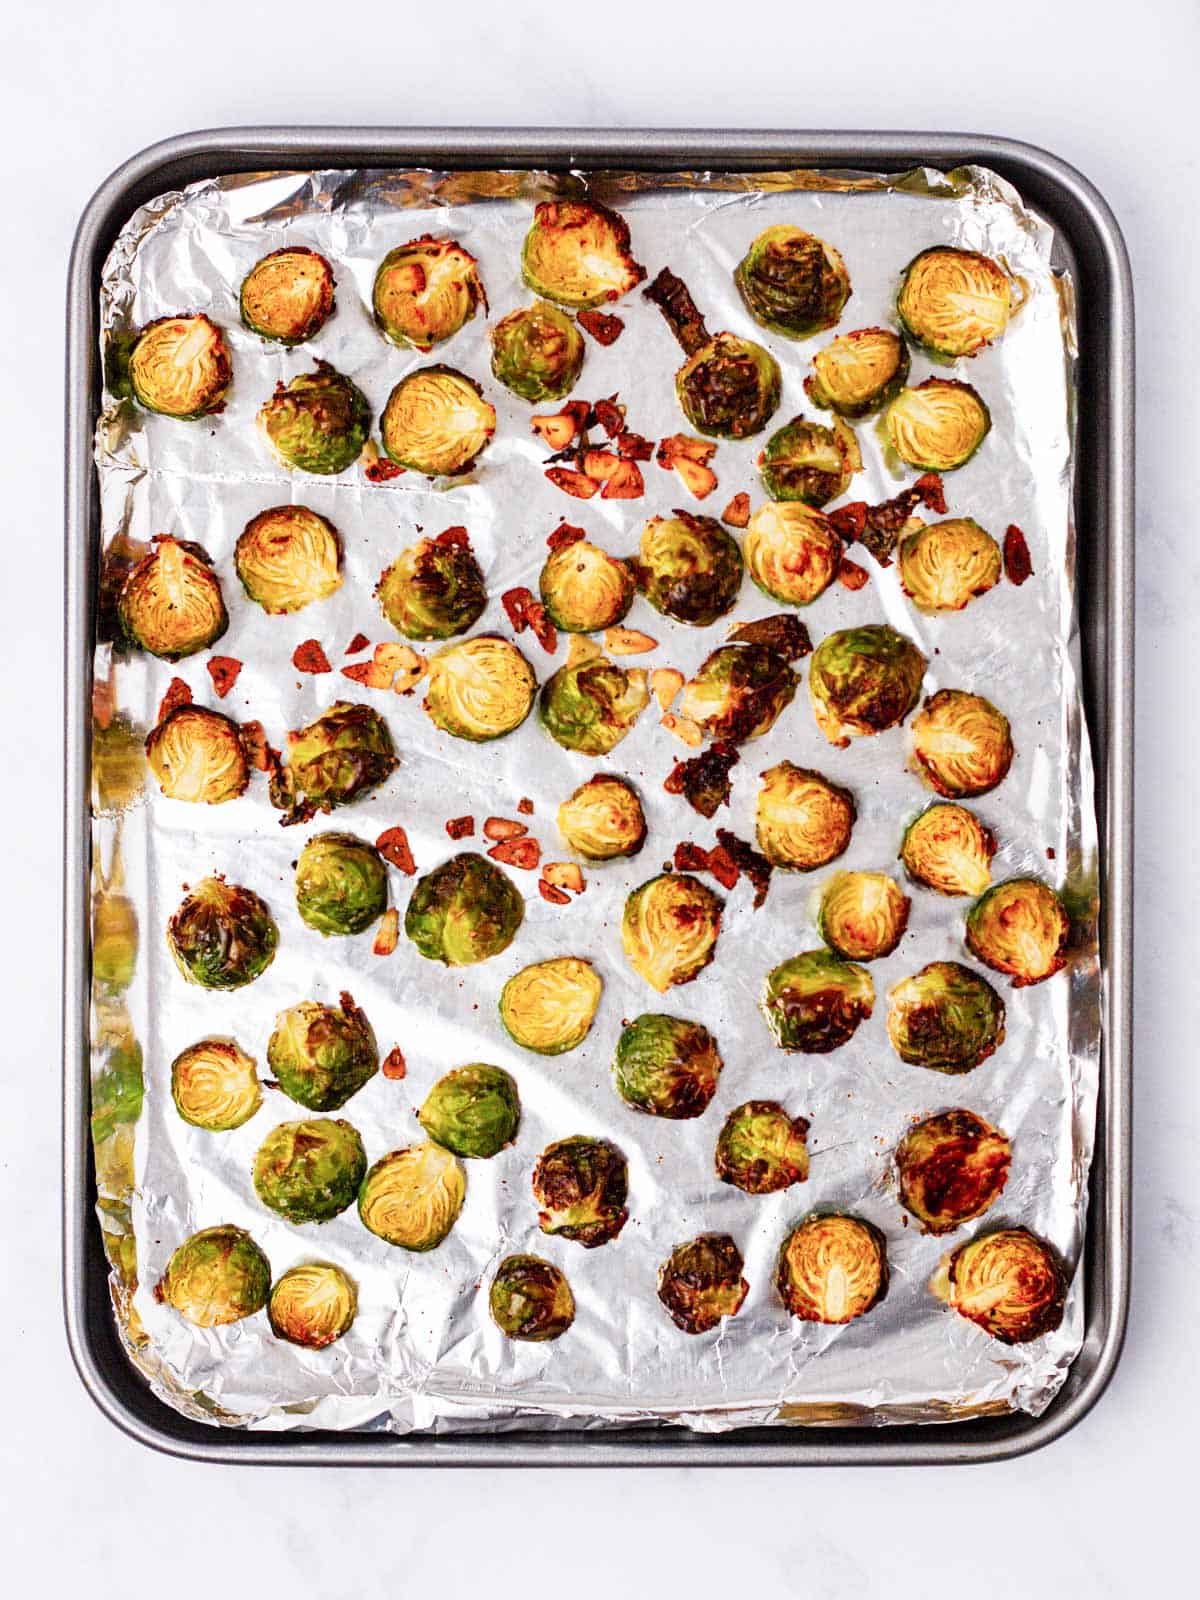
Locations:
{"points": [[565, 875], [178, 694], [723, 867], [393, 1064], [542, 628], [573, 483], [690, 857], [689, 457], [393, 666], [737, 513], [565, 535], [851, 575], [603, 327], [223, 670], [879, 527], [393, 846], [704, 781], [254, 743], [525, 806], [309, 657], [460, 827], [516, 603], [849, 521], [504, 828], [523, 853], [387, 935], [1018, 565], [748, 860], [359, 642], [933, 492], [456, 536], [556, 897]]}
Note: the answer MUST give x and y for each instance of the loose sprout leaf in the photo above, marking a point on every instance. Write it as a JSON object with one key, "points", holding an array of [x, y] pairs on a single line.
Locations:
{"points": [[783, 633]]}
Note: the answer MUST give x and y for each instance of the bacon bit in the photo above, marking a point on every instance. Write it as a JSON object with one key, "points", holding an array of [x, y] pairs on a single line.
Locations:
{"points": [[523, 853], [565, 875], [849, 521], [610, 416], [393, 1064], [525, 806], [750, 861], [562, 538], [309, 657], [851, 575], [737, 512], [516, 603], [572, 483], [633, 447], [560, 429], [628, 642], [690, 857], [456, 537], [933, 492], [556, 897], [254, 743], [503, 828], [665, 684], [880, 526], [387, 935], [376, 468], [223, 670], [1018, 564], [704, 781], [723, 867], [178, 694], [684, 729], [359, 642], [1050, 852], [460, 827], [605, 329], [393, 846], [542, 628]]}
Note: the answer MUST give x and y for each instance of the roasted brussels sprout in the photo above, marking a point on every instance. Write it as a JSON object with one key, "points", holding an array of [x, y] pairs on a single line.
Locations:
{"points": [[945, 564], [792, 551], [321, 1055], [761, 1149], [312, 1305], [832, 1268], [590, 704], [802, 819], [937, 426], [480, 688], [425, 291], [537, 352], [1020, 928], [947, 848], [318, 422], [432, 590], [580, 1186], [577, 254], [815, 1002], [666, 1066], [701, 1282], [863, 680], [180, 367], [411, 1198], [222, 935], [792, 282], [729, 388], [945, 1017], [288, 295], [550, 1006], [474, 1111], [739, 691], [669, 929], [464, 911], [951, 1168], [171, 602], [962, 746], [953, 302], [585, 589], [603, 819], [215, 1086], [690, 568], [809, 462], [437, 422], [197, 755], [858, 372], [339, 757], [341, 884], [287, 557], [310, 1171], [863, 915], [1009, 1282], [530, 1299], [217, 1276]]}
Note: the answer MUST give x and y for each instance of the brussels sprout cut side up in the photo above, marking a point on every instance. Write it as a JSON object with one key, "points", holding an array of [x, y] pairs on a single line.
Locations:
{"points": [[215, 1086], [961, 745], [945, 1017], [437, 421], [530, 1299], [1010, 1283], [433, 590], [222, 935], [1020, 928], [863, 915], [951, 1168], [815, 1002], [313, 1305], [321, 1055], [954, 302], [739, 692], [577, 254], [550, 1006], [669, 929], [341, 884], [802, 820], [480, 688], [701, 1282], [946, 564], [288, 557], [580, 1186], [180, 367], [937, 426], [411, 1198], [171, 602], [310, 1171], [425, 291], [584, 589], [762, 1150], [666, 1066], [198, 756], [474, 1111], [464, 911], [288, 295], [217, 1276], [792, 552], [947, 848], [603, 819], [859, 372], [316, 423], [832, 1268]]}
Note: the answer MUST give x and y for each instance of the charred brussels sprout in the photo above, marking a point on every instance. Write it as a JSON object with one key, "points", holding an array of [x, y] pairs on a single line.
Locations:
{"points": [[585, 589], [953, 302], [312, 1305], [729, 388], [948, 849], [803, 820], [809, 462], [217, 1276], [321, 1055], [464, 911], [318, 422], [669, 929], [310, 1171], [590, 704], [288, 557], [197, 755], [341, 884], [951, 1168], [345, 753], [474, 1111], [1020, 928], [739, 691], [425, 291], [437, 422], [222, 936], [603, 819], [689, 568], [550, 1006], [1010, 1283], [180, 367], [815, 1002], [863, 680], [761, 1149], [701, 1282], [171, 602], [577, 254], [858, 372], [537, 352], [863, 915], [962, 746], [432, 590], [945, 1017], [215, 1086], [480, 689], [530, 1299], [411, 1198], [792, 552], [792, 282], [580, 1186], [288, 295], [944, 565], [832, 1268], [937, 426], [666, 1066]]}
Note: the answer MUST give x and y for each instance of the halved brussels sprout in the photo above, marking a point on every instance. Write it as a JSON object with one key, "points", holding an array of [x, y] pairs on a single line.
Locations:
{"points": [[669, 929], [340, 756], [951, 1168], [863, 915], [537, 352], [425, 291], [287, 557], [603, 819], [550, 1006], [945, 1017], [171, 602], [197, 755], [937, 426], [474, 1111], [432, 590], [310, 1171], [962, 746], [288, 295], [761, 1149], [530, 1299], [312, 1305], [792, 282], [479, 689], [341, 884], [863, 680], [947, 848], [215, 1086], [690, 568], [1020, 928], [222, 935], [858, 372], [437, 422], [701, 1282], [738, 692], [729, 388], [792, 551], [585, 589], [1010, 1283], [580, 1187], [945, 564], [590, 703], [666, 1066], [412, 1198], [318, 422], [321, 1055], [832, 1268], [217, 1276], [809, 462], [180, 367], [577, 254], [953, 302], [464, 911], [802, 819], [815, 1002]]}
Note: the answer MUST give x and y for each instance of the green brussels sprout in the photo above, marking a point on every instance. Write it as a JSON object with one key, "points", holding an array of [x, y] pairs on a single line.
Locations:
{"points": [[809, 462], [863, 680], [580, 1186], [340, 756], [321, 1055], [217, 1276], [947, 848], [832, 1268], [312, 1305], [937, 426], [802, 819], [739, 692], [197, 755], [815, 1002], [550, 1006], [433, 590], [666, 1066], [945, 564], [287, 557], [953, 302], [945, 1017], [961, 745], [762, 1150], [222, 935], [215, 1086], [114, 942], [412, 1198], [863, 915], [288, 295], [701, 1282], [729, 388], [1009, 1282], [603, 819], [792, 551], [690, 568], [436, 421], [474, 1111], [577, 254], [180, 367], [310, 1171], [479, 688], [341, 884], [317, 422], [585, 589], [530, 1299], [537, 352], [425, 291], [858, 372], [792, 282], [951, 1168], [1020, 928], [171, 602], [464, 911], [669, 929], [590, 703]]}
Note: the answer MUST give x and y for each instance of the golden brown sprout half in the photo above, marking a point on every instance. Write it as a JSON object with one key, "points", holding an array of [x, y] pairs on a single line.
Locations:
{"points": [[792, 282], [437, 421], [863, 680], [171, 602], [954, 302], [603, 819], [287, 557], [962, 745], [480, 689], [792, 551], [762, 1150], [217, 1276], [803, 820], [180, 367], [578, 254], [312, 1305], [1010, 1283], [585, 589], [937, 426], [288, 295], [858, 372], [945, 564], [550, 1006], [947, 848], [425, 291], [197, 755], [1021, 928], [951, 1168], [863, 915], [215, 1086], [832, 1268], [411, 1198], [669, 929]]}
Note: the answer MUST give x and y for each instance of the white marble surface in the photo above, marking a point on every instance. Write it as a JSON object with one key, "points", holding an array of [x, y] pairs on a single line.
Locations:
{"points": [[1106, 1511]]}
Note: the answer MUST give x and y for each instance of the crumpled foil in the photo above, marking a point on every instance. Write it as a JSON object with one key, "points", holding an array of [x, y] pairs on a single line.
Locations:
{"points": [[423, 1353]]}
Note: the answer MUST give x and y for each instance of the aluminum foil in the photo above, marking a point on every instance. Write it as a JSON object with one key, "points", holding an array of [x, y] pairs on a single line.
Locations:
{"points": [[423, 1353]]}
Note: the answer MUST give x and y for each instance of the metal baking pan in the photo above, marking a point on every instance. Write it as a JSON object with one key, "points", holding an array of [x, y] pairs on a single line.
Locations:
{"points": [[1104, 509]]}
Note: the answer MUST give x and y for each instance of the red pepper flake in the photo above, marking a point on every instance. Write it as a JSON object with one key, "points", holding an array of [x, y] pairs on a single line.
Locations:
{"points": [[456, 536], [460, 827], [556, 897], [516, 603], [525, 806], [562, 538], [605, 329], [523, 853], [610, 416], [1017, 562], [178, 694], [737, 513], [393, 1064], [223, 670], [543, 629], [310, 657], [1050, 852], [851, 575], [359, 642], [393, 846]]}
